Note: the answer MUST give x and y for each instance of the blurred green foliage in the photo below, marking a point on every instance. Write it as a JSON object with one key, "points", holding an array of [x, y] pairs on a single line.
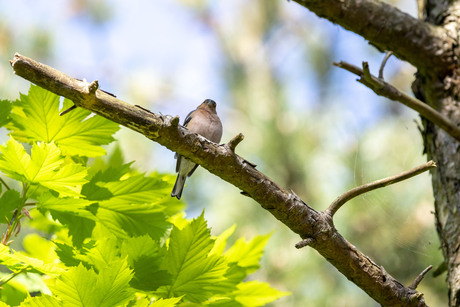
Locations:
{"points": [[306, 125]]}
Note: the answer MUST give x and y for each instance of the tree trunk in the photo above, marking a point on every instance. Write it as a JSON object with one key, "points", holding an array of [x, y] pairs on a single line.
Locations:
{"points": [[442, 93], [431, 44]]}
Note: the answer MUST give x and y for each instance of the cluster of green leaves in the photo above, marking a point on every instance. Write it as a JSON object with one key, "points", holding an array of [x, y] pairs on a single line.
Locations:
{"points": [[113, 236]]}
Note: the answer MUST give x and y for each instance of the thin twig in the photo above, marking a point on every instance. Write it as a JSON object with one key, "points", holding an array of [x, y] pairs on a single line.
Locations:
{"points": [[384, 62], [382, 88], [235, 141], [143, 109], [68, 110], [10, 228], [342, 199], [304, 242], [419, 278]]}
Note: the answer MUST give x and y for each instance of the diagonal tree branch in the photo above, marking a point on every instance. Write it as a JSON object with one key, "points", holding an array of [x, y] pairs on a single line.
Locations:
{"points": [[382, 88], [388, 28], [316, 228]]}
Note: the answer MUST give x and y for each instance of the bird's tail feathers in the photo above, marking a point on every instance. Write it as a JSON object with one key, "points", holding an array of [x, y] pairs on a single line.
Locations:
{"points": [[178, 186]]}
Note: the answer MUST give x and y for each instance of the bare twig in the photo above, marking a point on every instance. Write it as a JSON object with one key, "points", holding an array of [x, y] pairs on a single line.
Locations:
{"points": [[92, 88], [384, 62], [304, 242], [142, 108], [68, 110], [235, 141], [419, 278], [342, 199], [382, 88]]}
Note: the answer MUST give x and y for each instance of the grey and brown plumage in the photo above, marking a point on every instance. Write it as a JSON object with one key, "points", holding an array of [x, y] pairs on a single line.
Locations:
{"points": [[205, 122]]}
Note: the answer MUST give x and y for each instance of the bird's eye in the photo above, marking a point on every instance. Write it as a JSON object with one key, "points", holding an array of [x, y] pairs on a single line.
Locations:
{"points": [[211, 103]]}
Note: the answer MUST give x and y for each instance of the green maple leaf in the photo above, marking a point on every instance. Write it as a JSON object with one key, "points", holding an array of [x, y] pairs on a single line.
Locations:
{"points": [[125, 220], [41, 301], [132, 207], [80, 286], [73, 212], [137, 189], [195, 273], [18, 262], [35, 117], [256, 293], [45, 166], [247, 254]]}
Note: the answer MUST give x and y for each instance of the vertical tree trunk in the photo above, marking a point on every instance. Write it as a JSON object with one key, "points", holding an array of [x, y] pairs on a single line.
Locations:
{"points": [[442, 93]]}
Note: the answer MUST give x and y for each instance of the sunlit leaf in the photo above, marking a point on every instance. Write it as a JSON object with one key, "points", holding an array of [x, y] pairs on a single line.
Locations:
{"points": [[195, 274], [247, 254], [137, 189], [14, 160], [35, 117], [166, 302], [256, 293], [39, 248], [18, 262], [113, 284], [103, 254], [41, 301], [221, 241], [45, 166], [80, 286], [125, 220], [76, 287]]}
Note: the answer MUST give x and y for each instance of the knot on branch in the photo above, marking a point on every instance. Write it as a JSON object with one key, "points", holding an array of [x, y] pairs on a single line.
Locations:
{"points": [[175, 121], [93, 86]]}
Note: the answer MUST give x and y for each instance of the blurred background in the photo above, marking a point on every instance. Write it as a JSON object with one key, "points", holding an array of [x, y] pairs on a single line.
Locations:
{"points": [[307, 124]]}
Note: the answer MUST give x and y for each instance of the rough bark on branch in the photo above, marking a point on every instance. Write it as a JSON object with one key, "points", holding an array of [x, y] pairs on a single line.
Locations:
{"points": [[316, 227], [388, 28]]}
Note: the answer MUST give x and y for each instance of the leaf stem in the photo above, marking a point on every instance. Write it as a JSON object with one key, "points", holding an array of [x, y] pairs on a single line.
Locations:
{"points": [[4, 183], [9, 277]]}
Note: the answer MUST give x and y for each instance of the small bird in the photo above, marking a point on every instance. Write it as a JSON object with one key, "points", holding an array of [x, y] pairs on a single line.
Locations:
{"points": [[205, 122]]}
